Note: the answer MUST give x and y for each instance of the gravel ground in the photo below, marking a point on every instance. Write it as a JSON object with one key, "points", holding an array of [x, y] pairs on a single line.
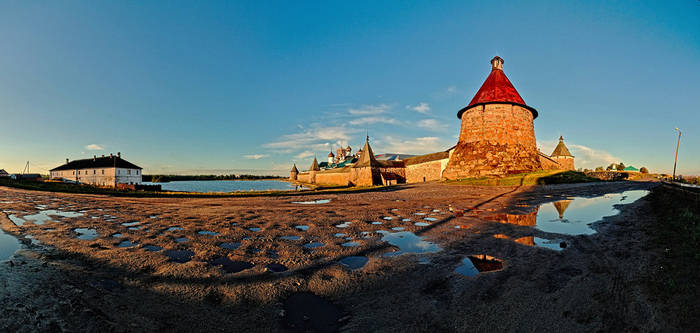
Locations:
{"points": [[72, 284]]}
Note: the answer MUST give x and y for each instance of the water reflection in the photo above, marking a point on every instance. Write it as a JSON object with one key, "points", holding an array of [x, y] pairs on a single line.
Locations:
{"points": [[407, 242], [8, 245]]}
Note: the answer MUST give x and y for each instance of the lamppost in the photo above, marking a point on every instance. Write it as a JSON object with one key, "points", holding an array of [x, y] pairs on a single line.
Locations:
{"points": [[676, 159]]}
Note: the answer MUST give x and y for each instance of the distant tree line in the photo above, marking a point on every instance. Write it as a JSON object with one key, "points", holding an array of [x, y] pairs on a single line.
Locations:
{"points": [[616, 167], [169, 178]]}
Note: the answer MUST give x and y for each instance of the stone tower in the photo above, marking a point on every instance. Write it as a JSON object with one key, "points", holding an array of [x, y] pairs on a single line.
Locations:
{"points": [[294, 173], [497, 136], [562, 155]]}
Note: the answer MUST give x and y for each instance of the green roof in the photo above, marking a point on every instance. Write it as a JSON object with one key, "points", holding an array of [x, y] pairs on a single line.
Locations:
{"points": [[631, 168]]}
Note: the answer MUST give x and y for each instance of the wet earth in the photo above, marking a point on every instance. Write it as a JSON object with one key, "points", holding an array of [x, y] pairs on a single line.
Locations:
{"points": [[456, 253]]}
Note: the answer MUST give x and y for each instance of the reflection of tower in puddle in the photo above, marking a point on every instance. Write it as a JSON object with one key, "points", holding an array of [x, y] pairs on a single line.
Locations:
{"points": [[526, 220], [561, 207]]}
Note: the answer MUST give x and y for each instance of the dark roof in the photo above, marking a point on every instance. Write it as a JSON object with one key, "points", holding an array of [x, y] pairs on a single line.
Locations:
{"points": [[497, 89], [99, 162], [314, 165], [294, 168], [367, 158], [427, 158], [3, 172], [561, 149]]}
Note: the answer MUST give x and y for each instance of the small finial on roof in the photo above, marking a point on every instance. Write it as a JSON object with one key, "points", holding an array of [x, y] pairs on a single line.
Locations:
{"points": [[561, 138], [497, 63]]}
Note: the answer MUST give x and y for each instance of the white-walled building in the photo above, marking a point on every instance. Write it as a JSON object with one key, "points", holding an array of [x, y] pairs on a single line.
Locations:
{"points": [[100, 171]]}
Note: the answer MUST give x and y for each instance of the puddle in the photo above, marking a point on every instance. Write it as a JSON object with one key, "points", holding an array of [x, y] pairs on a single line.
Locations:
{"points": [[421, 224], [207, 232], [152, 248], [354, 262], [552, 244], [230, 246], [181, 239], [8, 245], [174, 229], [343, 225], [255, 229], [340, 234], [312, 202], [136, 228], [398, 228], [45, 216], [406, 220], [16, 220], [179, 256], [86, 233], [302, 227], [350, 244], [117, 235], [276, 268], [473, 265], [127, 243], [306, 312], [388, 218], [420, 214], [131, 224], [431, 219], [230, 266], [291, 238], [376, 223], [407, 242], [573, 216], [314, 245]]}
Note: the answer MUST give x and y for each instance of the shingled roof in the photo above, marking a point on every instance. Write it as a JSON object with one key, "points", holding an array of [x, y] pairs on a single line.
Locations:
{"points": [[497, 89], [561, 149], [98, 162], [314, 165]]}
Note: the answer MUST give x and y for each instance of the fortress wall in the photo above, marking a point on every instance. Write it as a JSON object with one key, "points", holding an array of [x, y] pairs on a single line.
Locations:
{"points": [[566, 163], [303, 177], [334, 178], [424, 172], [495, 140], [498, 124]]}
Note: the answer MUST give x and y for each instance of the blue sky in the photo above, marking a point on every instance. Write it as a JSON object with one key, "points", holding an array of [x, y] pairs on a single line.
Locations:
{"points": [[213, 87]]}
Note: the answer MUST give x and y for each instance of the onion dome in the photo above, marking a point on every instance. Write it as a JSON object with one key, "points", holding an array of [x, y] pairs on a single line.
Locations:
{"points": [[497, 89], [331, 154], [561, 149]]}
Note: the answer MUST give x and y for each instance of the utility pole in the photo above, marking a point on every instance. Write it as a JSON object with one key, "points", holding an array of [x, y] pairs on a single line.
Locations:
{"points": [[675, 161]]}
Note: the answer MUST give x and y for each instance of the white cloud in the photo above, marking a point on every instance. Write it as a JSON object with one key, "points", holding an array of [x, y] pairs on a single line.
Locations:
{"points": [[94, 147], [432, 125], [304, 154], [451, 90], [373, 120], [369, 109], [423, 145], [255, 156], [422, 107], [315, 137]]}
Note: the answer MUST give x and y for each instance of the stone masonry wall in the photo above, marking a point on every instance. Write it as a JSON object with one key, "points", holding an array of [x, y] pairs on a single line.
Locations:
{"points": [[548, 163], [565, 162], [498, 124], [424, 172], [332, 178], [495, 140]]}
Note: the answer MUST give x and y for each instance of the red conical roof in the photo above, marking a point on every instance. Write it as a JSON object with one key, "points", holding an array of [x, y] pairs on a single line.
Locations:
{"points": [[497, 89]]}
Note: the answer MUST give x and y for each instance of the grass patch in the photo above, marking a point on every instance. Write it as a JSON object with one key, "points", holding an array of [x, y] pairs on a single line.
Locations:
{"points": [[542, 177], [676, 233], [86, 189]]}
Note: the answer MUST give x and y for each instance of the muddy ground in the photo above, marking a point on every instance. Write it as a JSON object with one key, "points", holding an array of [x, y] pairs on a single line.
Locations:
{"points": [[69, 284]]}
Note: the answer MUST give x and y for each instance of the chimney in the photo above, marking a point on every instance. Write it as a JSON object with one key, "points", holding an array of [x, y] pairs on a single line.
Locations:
{"points": [[94, 158], [66, 161], [119, 154], [110, 155], [497, 63]]}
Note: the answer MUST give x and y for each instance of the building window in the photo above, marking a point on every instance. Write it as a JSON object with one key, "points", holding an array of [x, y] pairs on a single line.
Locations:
{"points": [[94, 172], [128, 172], [103, 172]]}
